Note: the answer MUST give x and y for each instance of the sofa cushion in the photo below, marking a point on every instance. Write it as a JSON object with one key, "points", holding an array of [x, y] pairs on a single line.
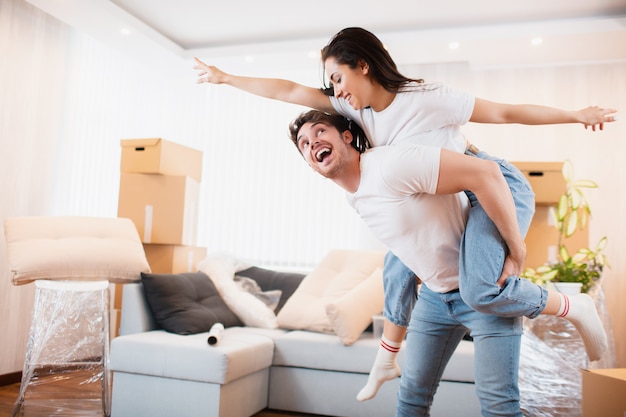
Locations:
{"points": [[312, 350], [240, 351], [73, 248], [186, 303], [352, 313], [268, 280], [334, 276]]}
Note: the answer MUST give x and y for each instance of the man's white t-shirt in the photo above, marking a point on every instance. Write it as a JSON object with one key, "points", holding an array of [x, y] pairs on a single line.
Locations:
{"points": [[396, 200]]}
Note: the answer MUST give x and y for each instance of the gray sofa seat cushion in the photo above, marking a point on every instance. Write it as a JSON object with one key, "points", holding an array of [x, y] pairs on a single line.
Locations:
{"points": [[241, 351], [305, 349]]}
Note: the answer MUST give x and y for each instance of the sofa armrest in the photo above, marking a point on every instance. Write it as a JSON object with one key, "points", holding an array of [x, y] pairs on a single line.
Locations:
{"points": [[136, 314]]}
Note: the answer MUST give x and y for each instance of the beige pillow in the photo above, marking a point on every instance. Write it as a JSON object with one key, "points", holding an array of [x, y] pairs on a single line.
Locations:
{"points": [[73, 248], [338, 273], [351, 314]]}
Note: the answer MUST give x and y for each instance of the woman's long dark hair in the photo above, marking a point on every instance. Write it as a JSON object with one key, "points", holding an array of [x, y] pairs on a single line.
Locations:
{"points": [[351, 45]]}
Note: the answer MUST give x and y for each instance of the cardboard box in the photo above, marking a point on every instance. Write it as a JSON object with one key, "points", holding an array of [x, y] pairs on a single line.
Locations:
{"points": [[546, 179], [604, 392], [173, 259], [542, 238], [164, 208], [159, 156]]}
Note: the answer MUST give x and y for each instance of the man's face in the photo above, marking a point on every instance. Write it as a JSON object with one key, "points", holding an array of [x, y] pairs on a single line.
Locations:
{"points": [[324, 148]]}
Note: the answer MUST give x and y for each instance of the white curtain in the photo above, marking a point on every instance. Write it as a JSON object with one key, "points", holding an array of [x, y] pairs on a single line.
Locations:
{"points": [[33, 51], [76, 98]]}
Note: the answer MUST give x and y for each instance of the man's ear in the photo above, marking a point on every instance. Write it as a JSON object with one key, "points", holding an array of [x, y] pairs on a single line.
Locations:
{"points": [[347, 136]]}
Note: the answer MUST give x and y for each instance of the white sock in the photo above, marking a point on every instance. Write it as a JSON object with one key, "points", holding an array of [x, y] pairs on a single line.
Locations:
{"points": [[581, 311], [384, 369]]}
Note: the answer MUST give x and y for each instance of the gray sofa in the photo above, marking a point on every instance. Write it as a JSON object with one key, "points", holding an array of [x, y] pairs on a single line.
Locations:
{"points": [[158, 373]]}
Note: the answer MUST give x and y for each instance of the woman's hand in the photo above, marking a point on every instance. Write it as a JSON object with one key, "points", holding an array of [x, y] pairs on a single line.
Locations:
{"points": [[511, 268], [594, 116], [209, 74]]}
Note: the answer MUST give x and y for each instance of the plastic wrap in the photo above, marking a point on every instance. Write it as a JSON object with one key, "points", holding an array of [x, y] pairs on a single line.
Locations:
{"points": [[552, 357], [66, 365]]}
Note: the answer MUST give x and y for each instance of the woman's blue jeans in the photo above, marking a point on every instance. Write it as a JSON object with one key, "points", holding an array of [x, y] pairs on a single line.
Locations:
{"points": [[481, 258], [438, 323]]}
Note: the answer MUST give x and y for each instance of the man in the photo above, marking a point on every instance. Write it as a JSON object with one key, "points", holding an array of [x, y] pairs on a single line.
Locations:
{"points": [[411, 198]]}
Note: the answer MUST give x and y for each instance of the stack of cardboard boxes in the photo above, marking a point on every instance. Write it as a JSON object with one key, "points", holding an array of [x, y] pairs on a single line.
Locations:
{"points": [[159, 192], [547, 181]]}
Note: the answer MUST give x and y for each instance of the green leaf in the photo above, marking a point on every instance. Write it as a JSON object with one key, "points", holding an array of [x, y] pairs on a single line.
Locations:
{"points": [[549, 275], [567, 171], [576, 199], [584, 216], [572, 224], [561, 210], [564, 254], [543, 269], [584, 184], [580, 257]]}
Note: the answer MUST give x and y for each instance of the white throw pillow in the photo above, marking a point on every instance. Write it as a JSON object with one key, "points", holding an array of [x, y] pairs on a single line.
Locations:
{"points": [[351, 314], [337, 274], [251, 311]]}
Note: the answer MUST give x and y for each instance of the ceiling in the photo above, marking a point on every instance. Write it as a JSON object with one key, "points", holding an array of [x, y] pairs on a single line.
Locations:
{"points": [[273, 33]]}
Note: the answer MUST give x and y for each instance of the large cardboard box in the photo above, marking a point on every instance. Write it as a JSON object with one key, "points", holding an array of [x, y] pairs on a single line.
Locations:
{"points": [[159, 156], [604, 392], [173, 259], [546, 179], [164, 208], [542, 238]]}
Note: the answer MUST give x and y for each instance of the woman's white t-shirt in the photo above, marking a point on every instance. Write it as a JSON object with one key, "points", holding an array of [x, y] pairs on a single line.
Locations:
{"points": [[422, 114]]}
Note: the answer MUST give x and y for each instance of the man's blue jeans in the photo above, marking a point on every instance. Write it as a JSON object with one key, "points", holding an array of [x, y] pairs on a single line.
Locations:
{"points": [[437, 325]]}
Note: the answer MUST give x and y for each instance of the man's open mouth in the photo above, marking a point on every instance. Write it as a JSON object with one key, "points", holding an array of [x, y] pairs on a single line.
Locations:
{"points": [[321, 154]]}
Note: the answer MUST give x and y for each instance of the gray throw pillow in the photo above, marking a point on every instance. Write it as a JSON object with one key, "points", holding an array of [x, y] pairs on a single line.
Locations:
{"points": [[186, 303]]}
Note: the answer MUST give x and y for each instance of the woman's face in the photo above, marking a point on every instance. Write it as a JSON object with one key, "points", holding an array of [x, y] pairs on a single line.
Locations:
{"points": [[353, 85]]}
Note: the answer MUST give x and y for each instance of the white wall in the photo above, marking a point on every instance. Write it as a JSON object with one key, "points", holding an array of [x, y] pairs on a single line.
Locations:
{"points": [[259, 200]]}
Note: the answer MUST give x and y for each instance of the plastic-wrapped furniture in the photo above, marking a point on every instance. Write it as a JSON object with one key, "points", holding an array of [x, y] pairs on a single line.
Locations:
{"points": [[72, 260], [552, 358]]}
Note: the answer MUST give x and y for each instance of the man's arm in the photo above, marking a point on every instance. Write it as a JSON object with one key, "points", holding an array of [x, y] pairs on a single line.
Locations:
{"points": [[459, 172]]}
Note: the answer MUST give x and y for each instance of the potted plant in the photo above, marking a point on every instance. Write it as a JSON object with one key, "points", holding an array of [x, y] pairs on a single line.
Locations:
{"points": [[572, 213]]}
